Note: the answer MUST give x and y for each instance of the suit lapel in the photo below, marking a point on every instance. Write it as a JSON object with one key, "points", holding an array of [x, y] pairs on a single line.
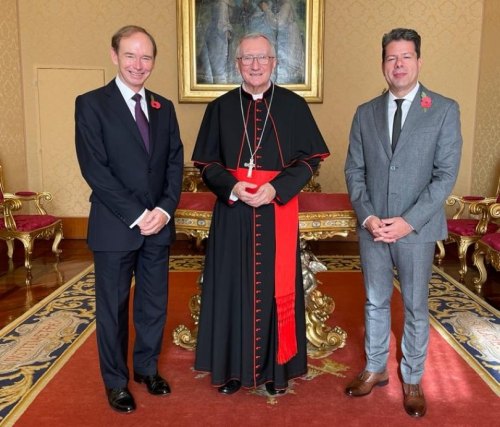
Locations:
{"points": [[413, 119], [380, 118], [153, 121], [120, 108]]}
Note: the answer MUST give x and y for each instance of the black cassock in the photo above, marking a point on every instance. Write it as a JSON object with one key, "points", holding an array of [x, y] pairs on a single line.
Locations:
{"points": [[238, 331]]}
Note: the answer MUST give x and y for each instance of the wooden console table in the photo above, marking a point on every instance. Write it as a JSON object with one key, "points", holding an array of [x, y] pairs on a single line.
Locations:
{"points": [[321, 216]]}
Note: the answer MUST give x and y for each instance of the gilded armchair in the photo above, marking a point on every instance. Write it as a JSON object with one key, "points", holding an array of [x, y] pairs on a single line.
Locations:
{"points": [[27, 227], [487, 248], [467, 225]]}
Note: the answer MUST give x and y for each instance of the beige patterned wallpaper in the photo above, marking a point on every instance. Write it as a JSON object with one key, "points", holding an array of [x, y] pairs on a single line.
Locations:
{"points": [[12, 146], [486, 157], [450, 31], [75, 35]]}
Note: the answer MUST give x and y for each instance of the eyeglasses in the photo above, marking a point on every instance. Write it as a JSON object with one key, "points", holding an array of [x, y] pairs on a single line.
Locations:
{"points": [[261, 59]]}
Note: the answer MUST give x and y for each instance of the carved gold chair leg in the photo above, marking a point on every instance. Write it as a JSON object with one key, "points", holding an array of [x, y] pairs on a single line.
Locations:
{"points": [[462, 256], [28, 251], [57, 239], [478, 260], [441, 252]]}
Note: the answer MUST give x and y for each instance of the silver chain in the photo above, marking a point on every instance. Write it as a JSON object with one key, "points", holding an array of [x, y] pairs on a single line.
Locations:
{"points": [[252, 153]]}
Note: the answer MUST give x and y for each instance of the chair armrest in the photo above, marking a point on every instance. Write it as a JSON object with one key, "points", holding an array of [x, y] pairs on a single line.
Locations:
{"points": [[460, 203], [8, 206], [30, 196], [487, 209], [465, 203], [494, 210], [39, 198]]}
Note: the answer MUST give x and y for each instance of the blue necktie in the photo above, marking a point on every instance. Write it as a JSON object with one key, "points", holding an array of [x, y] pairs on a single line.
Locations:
{"points": [[141, 120], [396, 126]]}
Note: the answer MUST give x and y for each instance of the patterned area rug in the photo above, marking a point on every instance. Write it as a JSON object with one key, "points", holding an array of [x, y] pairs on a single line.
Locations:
{"points": [[36, 346], [465, 321], [468, 324], [42, 340]]}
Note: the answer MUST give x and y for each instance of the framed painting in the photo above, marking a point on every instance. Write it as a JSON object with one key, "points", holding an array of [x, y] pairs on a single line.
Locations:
{"points": [[208, 32]]}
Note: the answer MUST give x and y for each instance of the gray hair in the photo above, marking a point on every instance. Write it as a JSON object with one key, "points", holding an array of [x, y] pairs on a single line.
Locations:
{"points": [[255, 36]]}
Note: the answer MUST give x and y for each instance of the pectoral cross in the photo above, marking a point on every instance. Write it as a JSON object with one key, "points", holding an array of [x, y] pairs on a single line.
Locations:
{"points": [[250, 165]]}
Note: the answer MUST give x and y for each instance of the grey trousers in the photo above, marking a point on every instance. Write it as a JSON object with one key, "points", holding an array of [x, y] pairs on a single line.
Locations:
{"points": [[413, 263]]}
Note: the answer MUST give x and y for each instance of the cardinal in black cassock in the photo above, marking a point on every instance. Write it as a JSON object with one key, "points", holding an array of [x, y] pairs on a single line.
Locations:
{"points": [[252, 320]]}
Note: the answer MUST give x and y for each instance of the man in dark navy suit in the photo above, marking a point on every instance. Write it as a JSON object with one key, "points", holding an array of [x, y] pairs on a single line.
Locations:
{"points": [[131, 155]]}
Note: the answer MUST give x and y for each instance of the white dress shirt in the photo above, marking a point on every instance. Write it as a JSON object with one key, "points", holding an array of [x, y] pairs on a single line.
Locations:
{"points": [[127, 94], [405, 107]]}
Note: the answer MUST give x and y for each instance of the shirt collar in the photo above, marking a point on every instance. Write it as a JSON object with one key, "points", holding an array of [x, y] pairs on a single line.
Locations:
{"points": [[409, 96], [256, 96], [126, 92]]}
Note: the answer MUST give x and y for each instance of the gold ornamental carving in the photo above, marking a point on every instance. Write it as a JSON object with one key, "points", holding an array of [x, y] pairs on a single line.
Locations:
{"points": [[321, 337]]}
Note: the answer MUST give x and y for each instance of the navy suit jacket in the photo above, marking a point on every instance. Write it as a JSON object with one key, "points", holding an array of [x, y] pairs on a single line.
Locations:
{"points": [[125, 179]]}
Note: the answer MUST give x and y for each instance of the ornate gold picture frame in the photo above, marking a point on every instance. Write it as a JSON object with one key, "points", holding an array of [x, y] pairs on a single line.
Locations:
{"points": [[208, 31]]}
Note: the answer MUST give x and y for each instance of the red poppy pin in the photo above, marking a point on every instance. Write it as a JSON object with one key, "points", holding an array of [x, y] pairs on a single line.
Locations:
{"points": [[425, 101], [154, 103]]}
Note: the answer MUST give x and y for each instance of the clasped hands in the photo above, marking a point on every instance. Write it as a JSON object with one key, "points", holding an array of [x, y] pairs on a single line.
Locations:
{"points": [[152, 222], [262, 195], [388, 230]]}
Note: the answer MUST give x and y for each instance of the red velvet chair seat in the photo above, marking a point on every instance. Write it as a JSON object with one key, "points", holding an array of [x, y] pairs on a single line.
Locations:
{"points": [[308, 202], [30, 222], [200, 201], [467, 227], [492, 240], [473, 198], [25, 193], [321, 202]]}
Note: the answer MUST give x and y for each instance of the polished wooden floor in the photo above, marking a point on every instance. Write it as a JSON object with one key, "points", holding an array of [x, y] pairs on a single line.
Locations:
{"points": [[16, 297]]}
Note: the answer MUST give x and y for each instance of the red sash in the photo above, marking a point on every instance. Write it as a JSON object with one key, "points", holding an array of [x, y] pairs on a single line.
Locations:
{"points": [[286, 229]]}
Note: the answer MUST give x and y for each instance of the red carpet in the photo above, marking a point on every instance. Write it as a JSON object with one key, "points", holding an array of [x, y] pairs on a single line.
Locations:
{"points": [[456, 395]]}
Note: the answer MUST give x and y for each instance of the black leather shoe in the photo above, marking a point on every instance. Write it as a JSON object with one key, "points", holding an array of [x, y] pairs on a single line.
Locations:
{"points": [[120, 399], [272, 391], [232, 386], [155, 384]]}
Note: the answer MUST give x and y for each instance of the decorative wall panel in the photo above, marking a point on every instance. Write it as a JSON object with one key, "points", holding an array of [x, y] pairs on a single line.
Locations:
{"points": [[12, 147], [76, 35], [60, 171], [486, 163]]}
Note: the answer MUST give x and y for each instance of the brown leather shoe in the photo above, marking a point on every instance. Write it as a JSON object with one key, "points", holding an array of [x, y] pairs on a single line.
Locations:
{"points": [[414, 401], [365, 381]]}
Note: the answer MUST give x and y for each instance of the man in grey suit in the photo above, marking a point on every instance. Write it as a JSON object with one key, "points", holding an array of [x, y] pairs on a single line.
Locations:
{"points": [[398, 194]]}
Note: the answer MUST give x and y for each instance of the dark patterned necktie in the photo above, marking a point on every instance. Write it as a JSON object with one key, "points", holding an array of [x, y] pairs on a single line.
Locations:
{"points": [[396, 126], [141, 120]]}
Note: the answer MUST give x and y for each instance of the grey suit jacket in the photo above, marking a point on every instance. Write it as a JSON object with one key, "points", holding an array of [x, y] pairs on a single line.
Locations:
{"points": [[415, 181]]}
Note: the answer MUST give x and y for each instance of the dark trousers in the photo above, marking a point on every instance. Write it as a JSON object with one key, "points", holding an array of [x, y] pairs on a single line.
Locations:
{"points": [[114, 272]]}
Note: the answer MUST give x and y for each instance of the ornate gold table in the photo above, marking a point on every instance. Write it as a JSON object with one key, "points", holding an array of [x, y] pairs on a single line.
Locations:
{"points": [[321, 216]]}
